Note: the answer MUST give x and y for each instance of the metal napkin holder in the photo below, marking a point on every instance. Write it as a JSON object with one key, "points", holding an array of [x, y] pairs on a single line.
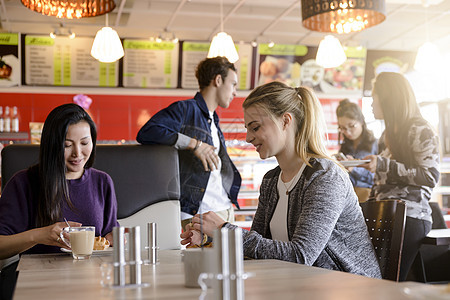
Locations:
{"points": [[134, 258], [228, 266]]}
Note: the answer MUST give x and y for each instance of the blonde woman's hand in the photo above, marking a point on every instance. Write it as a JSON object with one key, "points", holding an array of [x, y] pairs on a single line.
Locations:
{"points": [[372, 165], [210, 222], [190, 236]]}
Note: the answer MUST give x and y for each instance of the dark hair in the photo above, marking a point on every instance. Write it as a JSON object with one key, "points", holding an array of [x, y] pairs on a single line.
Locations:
{"points": [[399, 106], [209, 68], [52, 168], [347, 109]]}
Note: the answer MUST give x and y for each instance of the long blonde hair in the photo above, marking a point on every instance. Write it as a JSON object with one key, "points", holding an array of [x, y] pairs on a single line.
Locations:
{"points": [[276, 98]]}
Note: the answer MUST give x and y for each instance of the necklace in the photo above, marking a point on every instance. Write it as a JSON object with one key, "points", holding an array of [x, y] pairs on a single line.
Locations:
{"points": [[293, 180], [288, 187]]}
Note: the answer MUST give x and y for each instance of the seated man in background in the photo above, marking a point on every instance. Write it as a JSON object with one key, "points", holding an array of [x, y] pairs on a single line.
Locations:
{"points": [[209, 180]]}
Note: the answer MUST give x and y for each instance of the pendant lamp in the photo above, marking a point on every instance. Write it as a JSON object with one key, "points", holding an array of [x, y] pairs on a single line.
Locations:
{"points": [[330, 53], [70, 9], [222, 43], [342, 16], [107, 47], [428, 55]]}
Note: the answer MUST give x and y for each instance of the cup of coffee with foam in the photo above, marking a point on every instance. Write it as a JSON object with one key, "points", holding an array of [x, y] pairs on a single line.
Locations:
{"points": [[80, 240]]}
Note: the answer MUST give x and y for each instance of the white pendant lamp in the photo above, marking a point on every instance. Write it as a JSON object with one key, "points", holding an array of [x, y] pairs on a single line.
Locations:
{"points": [[107, 47], [330, 53], [428, 58], [222, 44]]}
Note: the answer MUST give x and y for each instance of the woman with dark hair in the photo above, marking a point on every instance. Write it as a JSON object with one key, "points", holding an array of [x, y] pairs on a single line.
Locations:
{"points": [[62, 185], [357, 143], [407, 167]]}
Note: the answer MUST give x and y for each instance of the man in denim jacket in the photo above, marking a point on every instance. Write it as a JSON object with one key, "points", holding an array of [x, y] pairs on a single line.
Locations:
{"points": [[209, 179]]}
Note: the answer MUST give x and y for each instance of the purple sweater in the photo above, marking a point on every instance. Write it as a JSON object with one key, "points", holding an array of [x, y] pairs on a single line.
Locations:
{"points": [[92, 196]]}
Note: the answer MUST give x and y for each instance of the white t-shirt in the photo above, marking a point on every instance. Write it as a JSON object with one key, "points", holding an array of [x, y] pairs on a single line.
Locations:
{"points": [[278, 224], [215, 197]]}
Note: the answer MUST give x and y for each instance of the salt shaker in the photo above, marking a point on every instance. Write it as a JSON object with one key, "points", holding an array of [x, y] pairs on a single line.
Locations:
{"points": [[135, 255], [119, 255], [152, 243]]}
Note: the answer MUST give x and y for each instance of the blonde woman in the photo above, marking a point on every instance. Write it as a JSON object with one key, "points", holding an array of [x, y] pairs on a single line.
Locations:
{"points": [[308, 212]]}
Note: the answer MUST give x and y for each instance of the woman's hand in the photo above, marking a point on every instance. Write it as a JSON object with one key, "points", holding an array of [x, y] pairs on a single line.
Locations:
{"points": [[109, 237], [11, 245], [372, 165], [210, 222], [49, 235], [208, 157], [190, 236]]}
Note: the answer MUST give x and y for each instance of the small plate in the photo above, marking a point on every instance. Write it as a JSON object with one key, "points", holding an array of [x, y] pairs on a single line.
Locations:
{"points": [[94, 252], [435, 292], [353, 163]]}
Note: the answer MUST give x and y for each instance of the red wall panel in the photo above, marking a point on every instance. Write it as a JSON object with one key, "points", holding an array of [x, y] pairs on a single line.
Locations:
{"points": [[117, 116]]}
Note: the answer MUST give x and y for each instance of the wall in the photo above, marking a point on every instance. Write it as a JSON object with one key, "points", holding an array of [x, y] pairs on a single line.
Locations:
{"points": [[117, 116]]}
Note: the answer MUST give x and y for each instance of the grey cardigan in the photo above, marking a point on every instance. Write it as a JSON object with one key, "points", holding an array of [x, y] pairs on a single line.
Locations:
{"points": [[326, 227]]}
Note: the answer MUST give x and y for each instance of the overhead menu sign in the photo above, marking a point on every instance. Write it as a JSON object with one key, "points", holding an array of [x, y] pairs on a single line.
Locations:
{"points": [[149, 64], [193, 53], [296, 65], [66, 62], [9, 60]]}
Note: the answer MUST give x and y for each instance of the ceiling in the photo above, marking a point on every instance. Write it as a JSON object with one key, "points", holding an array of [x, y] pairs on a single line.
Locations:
{"points": [[407, 25]]}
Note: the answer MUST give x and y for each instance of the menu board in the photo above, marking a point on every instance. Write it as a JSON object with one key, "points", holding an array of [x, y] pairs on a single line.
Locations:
{"points": [[66, 62], [193, 53], [296, 65], [149, 64], [9, 60], [386, 61]]}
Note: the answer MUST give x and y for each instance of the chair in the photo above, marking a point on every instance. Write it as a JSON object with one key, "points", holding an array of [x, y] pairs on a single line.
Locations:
{"points": [[432, 264], [385, 222], [146, 181], [437, 216]]}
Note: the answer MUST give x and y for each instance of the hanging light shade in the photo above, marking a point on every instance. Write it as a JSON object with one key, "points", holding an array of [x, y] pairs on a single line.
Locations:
{"points": [[342, 16], [428, 57], [222, 45], [107, 47], [70, 9], [330, 53]]}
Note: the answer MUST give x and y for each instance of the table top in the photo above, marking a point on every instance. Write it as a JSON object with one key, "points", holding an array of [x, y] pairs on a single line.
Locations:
{"points": [[53, 276], [438, 237]]}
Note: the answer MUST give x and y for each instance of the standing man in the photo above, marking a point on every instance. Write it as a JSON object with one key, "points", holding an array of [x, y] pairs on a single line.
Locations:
{"points": [[209, 180]]}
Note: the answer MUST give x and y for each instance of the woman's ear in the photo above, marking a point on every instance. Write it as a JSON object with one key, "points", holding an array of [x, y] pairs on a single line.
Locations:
{"points": [[287, 120]]}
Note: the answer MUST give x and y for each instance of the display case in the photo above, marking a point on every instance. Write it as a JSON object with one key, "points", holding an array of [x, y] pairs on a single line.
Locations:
{"points": [[252, 170]]}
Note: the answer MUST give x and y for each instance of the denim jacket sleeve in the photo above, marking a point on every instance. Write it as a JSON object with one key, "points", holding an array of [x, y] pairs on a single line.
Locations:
{"points": [[164, 127]]}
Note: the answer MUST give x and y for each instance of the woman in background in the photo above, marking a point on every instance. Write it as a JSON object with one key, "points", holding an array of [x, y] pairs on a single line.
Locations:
{"points": [[358, 142], [407, 167], [308, 212], [62, 185]]}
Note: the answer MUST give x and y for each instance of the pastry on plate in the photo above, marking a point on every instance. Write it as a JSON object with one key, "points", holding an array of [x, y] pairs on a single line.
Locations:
{"points": [[101, 243]]}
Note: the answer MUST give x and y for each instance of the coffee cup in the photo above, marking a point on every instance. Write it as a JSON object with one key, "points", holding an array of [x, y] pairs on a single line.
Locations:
{"points": [[80, 240]]}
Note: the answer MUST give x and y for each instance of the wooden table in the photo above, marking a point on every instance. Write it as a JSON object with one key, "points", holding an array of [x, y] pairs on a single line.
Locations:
{"points": [[58, 276], [438, 237]]}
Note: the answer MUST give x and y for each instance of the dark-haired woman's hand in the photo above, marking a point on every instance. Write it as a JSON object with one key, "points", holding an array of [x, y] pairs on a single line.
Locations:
{"points": [[372, 165], [49, 235]]}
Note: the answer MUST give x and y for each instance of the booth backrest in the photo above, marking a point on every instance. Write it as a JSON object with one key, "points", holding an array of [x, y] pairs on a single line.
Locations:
{"points": [[146, 181]]}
